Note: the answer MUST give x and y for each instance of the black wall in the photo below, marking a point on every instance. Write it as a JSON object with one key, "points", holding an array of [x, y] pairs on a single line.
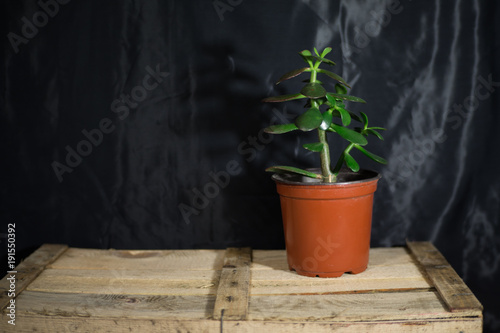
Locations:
{"points": [[116, 115]]}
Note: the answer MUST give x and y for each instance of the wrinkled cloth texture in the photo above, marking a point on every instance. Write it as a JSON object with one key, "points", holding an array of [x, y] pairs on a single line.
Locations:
{"points": [[138, 124]]}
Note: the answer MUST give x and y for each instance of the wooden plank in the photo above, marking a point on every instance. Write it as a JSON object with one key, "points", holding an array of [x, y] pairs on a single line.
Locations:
{"points": [[376, 306], [276, 259], [274, 287], [95, 306], [286, 282], [232, 294], [141, 260], [106, 325], [453, 290], [29, 269], [388, 269], [401, 271], [138, 272], [124, 281]]}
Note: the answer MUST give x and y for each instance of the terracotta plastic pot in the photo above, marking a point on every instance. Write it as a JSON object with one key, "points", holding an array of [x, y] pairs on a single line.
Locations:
{"points": [[327, 226]]}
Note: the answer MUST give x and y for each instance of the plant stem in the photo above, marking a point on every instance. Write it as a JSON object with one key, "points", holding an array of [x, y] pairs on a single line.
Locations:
{"points": [[314, 75], [328, 176], [340, 162], [326, 173]]}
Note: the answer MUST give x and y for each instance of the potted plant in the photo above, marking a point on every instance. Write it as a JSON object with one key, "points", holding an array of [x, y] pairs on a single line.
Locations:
{"points": [[326, 212]]}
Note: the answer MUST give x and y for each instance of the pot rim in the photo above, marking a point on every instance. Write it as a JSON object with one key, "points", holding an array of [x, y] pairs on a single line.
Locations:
{"points": [[345, 176]]}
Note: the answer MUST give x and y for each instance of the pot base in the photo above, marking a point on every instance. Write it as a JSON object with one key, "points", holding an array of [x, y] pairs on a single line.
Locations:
{"points": [[329, 274]]}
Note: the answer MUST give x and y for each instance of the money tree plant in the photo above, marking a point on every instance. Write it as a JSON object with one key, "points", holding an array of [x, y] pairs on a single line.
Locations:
{"points": [[325, 112]]}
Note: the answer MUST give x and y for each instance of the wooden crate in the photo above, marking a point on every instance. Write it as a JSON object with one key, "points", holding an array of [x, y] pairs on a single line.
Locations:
{"points": [[405, 289]]}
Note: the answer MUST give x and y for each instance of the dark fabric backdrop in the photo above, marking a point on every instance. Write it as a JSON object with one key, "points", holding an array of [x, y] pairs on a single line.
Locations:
{"points": [[137, 124]]}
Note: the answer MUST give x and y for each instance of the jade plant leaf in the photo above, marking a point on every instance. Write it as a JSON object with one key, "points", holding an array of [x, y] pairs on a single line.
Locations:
{"points": [[364, 117], [283, 98], [313, 90], [326, 61], [355, 116], [374, 157], [327, 120], [293, 74], [331, 99], [347, 97], [334, 102], [308, 57], [281, 169], [351, 162], [309, 120], [280, 129], [333, 76], [349, 134], [345, 116], [340, 89], [326, 51], [315, 147], [373, 132]]}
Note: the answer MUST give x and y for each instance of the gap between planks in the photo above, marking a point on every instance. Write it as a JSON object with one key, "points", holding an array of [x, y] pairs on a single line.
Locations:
{"points": [[356, 292]]}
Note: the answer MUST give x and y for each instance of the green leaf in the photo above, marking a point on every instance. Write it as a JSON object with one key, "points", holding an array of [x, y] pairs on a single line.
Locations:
{"points": [[333, 76], [326, 51], [331, 100], [374, 157], [316, 51], [327, 120], [349, 134], [315, 147], [282, 169], [334, 102], [336, 113], [340, 89], [355, 116], [364, 119], [326, 61], [351, 162], [313, 90], [309, 120], [280, 129], [307, 56], [373, 132], [283, 98], [345, 116], [347, 97], [379, 128], [292, 74]]}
